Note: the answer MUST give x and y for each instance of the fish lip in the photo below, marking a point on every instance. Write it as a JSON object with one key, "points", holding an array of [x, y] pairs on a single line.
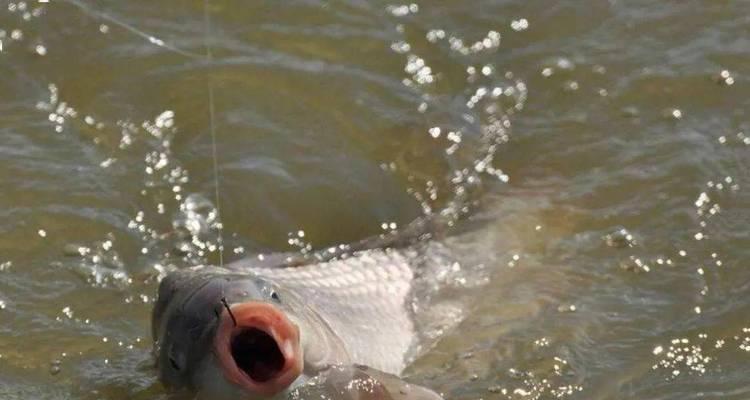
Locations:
{"points": [[271, 320]]}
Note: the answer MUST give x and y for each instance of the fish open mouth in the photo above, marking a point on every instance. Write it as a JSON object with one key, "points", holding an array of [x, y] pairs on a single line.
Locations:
{"points": [[258, 348], [257, 354]]}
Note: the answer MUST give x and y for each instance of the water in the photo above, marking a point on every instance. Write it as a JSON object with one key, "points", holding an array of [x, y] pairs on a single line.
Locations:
{"points": [[336, 120]]}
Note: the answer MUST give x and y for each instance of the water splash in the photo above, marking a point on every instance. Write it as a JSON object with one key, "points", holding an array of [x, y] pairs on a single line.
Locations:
{"points": [[470, 143]]}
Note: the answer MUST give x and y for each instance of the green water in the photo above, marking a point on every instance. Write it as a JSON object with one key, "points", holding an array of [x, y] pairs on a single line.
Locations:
{"points": [[580, 119]]}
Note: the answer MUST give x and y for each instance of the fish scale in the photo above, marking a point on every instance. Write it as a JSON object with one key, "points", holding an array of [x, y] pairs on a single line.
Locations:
{"points": [[364, 298]]}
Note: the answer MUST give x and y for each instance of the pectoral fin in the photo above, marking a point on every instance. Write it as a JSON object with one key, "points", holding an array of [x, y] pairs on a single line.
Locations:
{"points": [[357, 382]]}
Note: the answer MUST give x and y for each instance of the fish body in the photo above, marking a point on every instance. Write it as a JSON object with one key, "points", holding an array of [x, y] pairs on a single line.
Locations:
{"points": [[251, 330]]}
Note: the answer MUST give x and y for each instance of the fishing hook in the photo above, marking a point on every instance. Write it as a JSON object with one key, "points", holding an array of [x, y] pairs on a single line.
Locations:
{"points": [[229, 310]]}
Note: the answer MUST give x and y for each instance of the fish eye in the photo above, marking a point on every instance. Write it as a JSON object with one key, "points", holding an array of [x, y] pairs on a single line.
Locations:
{"points": [[275, 296]]}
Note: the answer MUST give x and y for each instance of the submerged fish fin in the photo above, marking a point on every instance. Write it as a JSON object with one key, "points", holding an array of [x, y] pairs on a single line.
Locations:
{"points": [[431, 225], [423, 228], [359, 382], [269, 260]]}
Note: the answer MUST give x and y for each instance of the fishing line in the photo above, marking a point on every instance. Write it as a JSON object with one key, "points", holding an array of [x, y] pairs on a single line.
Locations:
{"points": [[130, 28], [229, 310], [416, 230], [208, 57], [212, 128]]}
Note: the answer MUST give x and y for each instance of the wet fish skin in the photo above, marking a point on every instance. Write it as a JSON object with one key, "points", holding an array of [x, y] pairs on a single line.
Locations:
{"points": [[186, 317], [182, 327], [184, 321]]}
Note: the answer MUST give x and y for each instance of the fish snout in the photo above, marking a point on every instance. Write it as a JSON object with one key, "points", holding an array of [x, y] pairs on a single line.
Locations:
{"points": [[258, 348]]}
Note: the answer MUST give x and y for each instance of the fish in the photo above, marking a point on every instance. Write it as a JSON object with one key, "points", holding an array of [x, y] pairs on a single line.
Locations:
{"points": [[276, 328]]}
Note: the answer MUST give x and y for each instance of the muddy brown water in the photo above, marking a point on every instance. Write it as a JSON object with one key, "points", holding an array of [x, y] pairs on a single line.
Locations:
{"points": [[606, 256]]}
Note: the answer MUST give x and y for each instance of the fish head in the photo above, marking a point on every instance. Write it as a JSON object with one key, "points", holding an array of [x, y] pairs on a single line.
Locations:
{"points": [[225, 336]]}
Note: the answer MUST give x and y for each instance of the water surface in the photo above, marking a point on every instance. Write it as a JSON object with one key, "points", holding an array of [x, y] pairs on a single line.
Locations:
{"points": [[604, 147]]}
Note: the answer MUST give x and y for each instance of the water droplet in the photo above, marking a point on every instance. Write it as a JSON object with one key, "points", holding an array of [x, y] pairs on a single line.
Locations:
{"points": [[620, 238], [519, 24], [54, 368], [674, 113], [724, 78]]}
